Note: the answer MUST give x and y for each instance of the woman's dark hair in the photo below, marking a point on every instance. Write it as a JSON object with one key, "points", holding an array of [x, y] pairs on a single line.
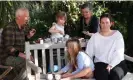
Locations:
{"points": [[87, 5], [106, 15]]}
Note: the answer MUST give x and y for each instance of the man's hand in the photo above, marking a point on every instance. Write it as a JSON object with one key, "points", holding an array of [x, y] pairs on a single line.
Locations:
{"points": [[31, 58], [22, 55], [12, 50]]}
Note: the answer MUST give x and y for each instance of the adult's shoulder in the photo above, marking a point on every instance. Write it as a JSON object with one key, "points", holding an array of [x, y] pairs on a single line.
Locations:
{"points": [[95, 35], [94, 18], [9, 27], [81, 18], [118, 34]]}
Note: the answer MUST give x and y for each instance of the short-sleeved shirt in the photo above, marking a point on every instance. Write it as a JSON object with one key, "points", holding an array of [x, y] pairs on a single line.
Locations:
{"points": [[11, 37], [83, 61]]}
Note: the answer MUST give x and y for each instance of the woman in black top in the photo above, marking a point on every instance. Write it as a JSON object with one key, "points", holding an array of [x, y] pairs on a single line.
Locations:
{"points": [[88, 22]]}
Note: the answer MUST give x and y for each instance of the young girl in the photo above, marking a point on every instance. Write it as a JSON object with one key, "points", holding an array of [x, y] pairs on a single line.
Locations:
{"points": [[57, 30], [78, 61]]}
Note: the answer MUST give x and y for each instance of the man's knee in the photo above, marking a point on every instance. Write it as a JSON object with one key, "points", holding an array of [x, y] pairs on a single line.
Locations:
{"points": [[15, 61], [10, 61]]}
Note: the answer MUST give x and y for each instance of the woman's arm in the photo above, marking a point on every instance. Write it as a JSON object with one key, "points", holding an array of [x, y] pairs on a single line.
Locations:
{"points": [[87, 72], [90, 47], [80, 66], [84, 64], [118, 54], [87, 33], [65, 69], [83, 69]]}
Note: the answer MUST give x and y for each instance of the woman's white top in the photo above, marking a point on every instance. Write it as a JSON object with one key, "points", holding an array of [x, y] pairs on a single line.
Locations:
{"points": [[58, 35], [109, 49], [83, 61]]}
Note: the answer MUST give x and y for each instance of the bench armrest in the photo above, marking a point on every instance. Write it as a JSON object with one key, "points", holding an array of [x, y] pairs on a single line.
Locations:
{"points": [[33, 66], [128, 58]]}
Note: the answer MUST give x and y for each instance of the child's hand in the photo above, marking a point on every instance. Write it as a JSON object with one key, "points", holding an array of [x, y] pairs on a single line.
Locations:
{"points": [[60, 32]]}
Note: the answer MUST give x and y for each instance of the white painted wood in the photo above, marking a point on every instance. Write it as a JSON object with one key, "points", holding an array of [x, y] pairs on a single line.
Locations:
{"points": [[65, 56], [36, 57], [30, 65], [129, 76], [43, 58], [44, 61], [37, 76], [128, 58], [33, 66], [51, 61], [28, 69], [27, 50], [59, 58]]}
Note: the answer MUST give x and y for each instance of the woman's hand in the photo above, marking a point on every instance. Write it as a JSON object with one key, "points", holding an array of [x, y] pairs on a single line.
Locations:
{"points": [[68, 78], [60, 72], [66, 75], [84, 32], [109, 68], [87, 33]]}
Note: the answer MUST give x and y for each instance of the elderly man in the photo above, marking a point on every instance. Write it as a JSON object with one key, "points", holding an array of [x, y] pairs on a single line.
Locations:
{"points": [[13, 41]]}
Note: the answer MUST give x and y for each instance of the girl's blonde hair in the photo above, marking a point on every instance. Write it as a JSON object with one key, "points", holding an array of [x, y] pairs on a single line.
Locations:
{"points": [[75, 46]]}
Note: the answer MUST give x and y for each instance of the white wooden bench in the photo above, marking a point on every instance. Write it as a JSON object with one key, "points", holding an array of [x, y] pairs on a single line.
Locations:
{"points": [[40, 71], [34, 66]]}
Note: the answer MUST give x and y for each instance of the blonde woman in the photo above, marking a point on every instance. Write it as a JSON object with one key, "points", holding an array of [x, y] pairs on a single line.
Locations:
{"points": [[78, 61]]}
